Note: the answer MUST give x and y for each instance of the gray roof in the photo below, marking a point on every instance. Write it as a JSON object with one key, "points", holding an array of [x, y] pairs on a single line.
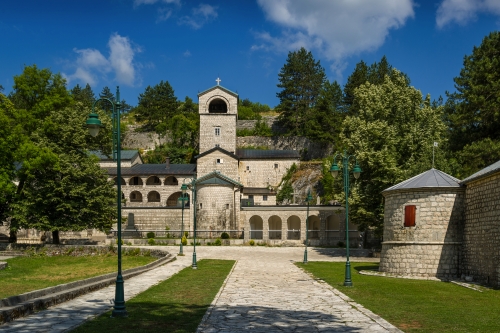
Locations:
{"points": [[125, 155], [495, 167], [257, 190], [155, 169], [215, 177], [432, 178], [218, 149], [266, 154], [221, 88]]}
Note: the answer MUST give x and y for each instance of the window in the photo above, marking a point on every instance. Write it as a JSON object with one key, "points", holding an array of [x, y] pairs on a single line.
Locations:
{"points": [[250, 196], [219, 161], [264, 198], [276, 165], [201, 205], [217, 131], [410, 214]]}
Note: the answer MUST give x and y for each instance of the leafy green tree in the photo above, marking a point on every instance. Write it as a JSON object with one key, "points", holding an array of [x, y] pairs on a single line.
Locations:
{"points": [[39, 91], [156, 106], [392, 137], [85, 95], [188, 106], [301, 80], [472, 112], [183, 131], [106, 93]]}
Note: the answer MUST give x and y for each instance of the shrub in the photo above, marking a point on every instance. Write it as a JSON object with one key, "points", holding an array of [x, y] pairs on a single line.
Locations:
{"points": [[341, 244], [151, 241], [150, 235], [224, 235], [218, 242], [117, 241], [186, 234], [184, 240], [252, 242]]}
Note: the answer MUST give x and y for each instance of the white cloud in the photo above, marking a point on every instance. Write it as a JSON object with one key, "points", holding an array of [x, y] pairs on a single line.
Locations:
{"points": [[187, 53], [463, 11], [337, 29], [151, 2], [201, 15], [163, 14], [91, 65]]}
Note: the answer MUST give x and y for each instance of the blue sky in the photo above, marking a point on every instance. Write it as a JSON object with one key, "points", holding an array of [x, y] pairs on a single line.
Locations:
{"points": [[136, 43]]}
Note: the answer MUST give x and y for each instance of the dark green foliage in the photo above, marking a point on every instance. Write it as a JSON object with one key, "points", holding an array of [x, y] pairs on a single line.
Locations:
{"points": [[104, 105], [285, 191], [177, 155], [150, 235], [85, 95], [248, 110], [472, 112], [224, 235], [156, 106], [301, 80], [262, 129]]}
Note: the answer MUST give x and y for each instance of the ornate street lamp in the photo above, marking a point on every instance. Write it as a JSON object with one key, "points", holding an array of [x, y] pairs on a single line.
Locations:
{"points": [[93, 125], [183, 199], [308, 199], [192, 186], [334, 170]]}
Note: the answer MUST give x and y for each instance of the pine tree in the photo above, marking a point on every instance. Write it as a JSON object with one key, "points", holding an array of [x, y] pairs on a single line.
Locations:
{"points": [[85, 95], [301, 79]]}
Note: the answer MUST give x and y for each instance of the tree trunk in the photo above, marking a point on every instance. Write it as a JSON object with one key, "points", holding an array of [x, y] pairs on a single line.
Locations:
{"points": [[55, 237], [12, 237]]}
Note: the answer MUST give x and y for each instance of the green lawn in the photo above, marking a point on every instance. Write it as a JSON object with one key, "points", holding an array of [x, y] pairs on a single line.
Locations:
{"points": [[25, 274], [175, 305], [415, 305]]}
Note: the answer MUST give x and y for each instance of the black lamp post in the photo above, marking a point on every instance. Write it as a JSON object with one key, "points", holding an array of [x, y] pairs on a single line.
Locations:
{"points": [[93, 125], [192, 185], [308, 199], [334, 170], [183, 199]]}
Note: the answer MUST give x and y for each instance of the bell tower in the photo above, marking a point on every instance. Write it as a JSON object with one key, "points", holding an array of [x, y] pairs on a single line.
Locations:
{"points": [[218, 109]]}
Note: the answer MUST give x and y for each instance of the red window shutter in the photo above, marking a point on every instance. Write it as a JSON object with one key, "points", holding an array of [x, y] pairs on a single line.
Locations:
{"points": [[410, 213]]}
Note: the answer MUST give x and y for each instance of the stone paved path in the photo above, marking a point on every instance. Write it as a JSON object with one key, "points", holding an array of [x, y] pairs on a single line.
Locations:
{"points": [[265, 292]]}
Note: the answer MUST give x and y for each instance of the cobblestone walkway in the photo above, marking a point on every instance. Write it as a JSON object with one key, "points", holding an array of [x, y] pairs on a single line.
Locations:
{"points": [[265, 292]]}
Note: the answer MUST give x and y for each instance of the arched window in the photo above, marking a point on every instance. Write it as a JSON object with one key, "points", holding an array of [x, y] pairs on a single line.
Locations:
{"points": [[136, 196], [173, 199], [115, 180], [314, 223], [274, 227], [256, 227], [153, 180], [135, 181], [293, 224], [153, 196], [171, 180], [217, 106]]}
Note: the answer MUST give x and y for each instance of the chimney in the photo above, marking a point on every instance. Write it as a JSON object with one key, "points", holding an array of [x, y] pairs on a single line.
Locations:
{"points": [[167, 162]]}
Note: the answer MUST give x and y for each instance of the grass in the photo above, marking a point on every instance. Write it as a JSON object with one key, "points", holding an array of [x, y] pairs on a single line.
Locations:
{"points": [[25, 274], [175, 305], [415, 305]]}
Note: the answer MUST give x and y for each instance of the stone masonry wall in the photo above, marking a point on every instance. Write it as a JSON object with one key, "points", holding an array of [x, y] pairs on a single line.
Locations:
{"points": [[432, 247], [217, 210], [262, 173], [481, 250], [208, 164], [159, 218], [227, 137]]}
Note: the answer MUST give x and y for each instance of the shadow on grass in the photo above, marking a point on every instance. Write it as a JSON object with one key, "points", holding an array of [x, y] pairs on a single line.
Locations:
{"points": [[366, 268], [341, 252]]}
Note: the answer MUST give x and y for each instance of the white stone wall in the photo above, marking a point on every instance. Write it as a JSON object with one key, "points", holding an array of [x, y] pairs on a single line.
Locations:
{"points": [[481, 250], [205, 99], [226, 138], [432, 247], [217, 207], [262, 173], [208, 163]]}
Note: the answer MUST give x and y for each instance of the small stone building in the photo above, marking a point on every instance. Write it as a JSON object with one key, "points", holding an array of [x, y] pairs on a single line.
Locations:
{"points": [[481, 233], [423, 224]]}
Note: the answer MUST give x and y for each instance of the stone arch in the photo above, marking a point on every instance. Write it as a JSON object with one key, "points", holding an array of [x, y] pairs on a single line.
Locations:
{"points": [[256, 227], [135, 181], [173, 199], [135, 196], [293, 224], [171, 180], [333, 228], [154, 196], [153, 180], [217, 105], [314, 225], [115, 181], [274, 223]]}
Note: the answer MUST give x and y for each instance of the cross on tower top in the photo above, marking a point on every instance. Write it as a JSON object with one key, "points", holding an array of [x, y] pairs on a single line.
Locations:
{"points": [[218, 81]]}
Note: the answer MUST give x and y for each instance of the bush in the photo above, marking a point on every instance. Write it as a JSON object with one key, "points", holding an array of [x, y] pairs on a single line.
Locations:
{"points": [[150, 235], [121, 241], [224, 235], [184, 240], [341, 244], [218, 242], [252, 242], [186, 234], [151, 241]]}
